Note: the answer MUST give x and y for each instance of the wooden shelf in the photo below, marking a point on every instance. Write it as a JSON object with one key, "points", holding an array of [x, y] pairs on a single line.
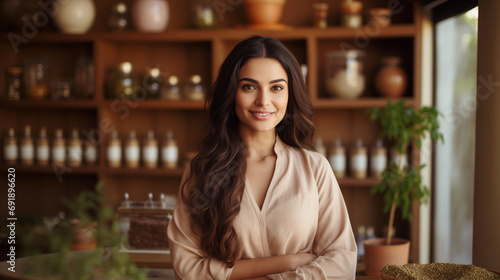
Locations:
{"points": [[156, 104], [357, 183], [361, 103], [157, 172], [48, 104], [49, 170]]}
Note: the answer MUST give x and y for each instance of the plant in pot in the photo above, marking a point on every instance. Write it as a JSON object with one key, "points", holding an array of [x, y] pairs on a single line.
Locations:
{"points": [[401, 183]]}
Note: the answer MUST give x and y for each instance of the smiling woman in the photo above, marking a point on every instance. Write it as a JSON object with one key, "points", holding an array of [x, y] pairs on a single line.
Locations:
{"points": [[257, 201]]}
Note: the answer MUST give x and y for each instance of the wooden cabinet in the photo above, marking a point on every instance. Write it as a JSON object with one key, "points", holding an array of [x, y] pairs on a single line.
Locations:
{"points": [[183, 52]]}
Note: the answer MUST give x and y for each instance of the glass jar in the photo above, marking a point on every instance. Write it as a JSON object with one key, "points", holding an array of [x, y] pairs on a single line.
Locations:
{"points": [[351, 13], [152, 83], [344, 74], [320, 14], [62, 89], [119, 19], [84, 78], [36, 78], [171, 90], [204, 15], [121, 83], [195, 90], [13, 83]]}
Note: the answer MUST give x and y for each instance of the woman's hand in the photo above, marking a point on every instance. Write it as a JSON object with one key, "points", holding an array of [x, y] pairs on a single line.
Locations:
{"points": [[301, 259]]}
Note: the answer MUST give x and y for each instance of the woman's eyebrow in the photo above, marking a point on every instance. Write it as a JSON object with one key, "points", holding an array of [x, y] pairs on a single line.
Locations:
{"points": [[256, 82]]}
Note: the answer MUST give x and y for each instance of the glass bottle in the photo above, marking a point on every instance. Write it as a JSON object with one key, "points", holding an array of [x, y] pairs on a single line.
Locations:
{"points": [[320, 148], [152, 82], [90, 154], [27, 148], [204, 15], [59, 148], [337, 159], [149, 203], [195, 90], [320, 15], [378, 159], [122, 83], [114, 151], [150, 151], [171, 90], [119, 19], [10, 147], [36, 78], [13, 83], [170, 151], [359, 160], [42, 148], [351, 13], [74, 149], [132, 152]]}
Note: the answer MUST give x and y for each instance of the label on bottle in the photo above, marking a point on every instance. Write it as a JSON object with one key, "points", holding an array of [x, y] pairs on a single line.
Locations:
{"points": [[338, 162], [114, 153], [378, 162], [27, 152], [150, 153], [170, 154], [132, 153], [359, 162], [58, 154], [42, 153], [10, 151], [75, 153], [90, 154]]}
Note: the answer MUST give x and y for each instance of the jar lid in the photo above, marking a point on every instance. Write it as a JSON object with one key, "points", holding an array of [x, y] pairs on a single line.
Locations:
{"points": [[196, 79], [126, 67], [172, 80], [120, 7], [352, 7], [154, 72], [14, 70]]}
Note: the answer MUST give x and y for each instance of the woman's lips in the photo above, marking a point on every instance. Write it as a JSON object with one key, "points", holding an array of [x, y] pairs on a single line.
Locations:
{"points": [[261, 115]]}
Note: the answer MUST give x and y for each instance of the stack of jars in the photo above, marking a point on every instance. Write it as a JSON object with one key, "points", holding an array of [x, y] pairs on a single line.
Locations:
{"points": [[122, 83]]}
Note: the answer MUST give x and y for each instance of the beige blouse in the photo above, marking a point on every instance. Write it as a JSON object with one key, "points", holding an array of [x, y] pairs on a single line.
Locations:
{"points": [[303, 212]]}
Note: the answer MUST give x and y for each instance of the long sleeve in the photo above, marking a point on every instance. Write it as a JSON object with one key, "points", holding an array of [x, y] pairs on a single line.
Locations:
{"points": [[188, 259], [334, 242]]}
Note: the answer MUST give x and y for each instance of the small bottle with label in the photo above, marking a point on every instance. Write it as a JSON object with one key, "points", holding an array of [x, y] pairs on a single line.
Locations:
{"points": [[27, 148], [10, 147], [337, 159], [150, 151], [170, 151], [42, 148], [75, 149], [378, 159], [359, 160], [90, 154], [132, 152], [395, 156], [59, 148], [114, 151], [320, 148]]}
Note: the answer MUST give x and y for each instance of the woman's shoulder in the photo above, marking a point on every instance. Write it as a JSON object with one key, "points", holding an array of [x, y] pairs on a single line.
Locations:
{"points": [[308, 157]]}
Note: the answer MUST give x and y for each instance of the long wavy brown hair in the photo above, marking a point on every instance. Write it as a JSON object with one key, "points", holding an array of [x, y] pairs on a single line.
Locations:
{"points": [[216, 181]]}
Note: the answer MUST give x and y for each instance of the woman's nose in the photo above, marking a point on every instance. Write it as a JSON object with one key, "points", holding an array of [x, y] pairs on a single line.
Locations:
{"points": [[262, 98]]}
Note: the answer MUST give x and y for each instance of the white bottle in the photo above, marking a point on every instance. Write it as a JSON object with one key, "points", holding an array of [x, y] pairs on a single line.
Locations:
{"points": [[75, 149], [27, 148], [150, 151], [337, 159], [59, 148], [10, 147], [170, 151], [359, 161], [114, 151], [90, 154], [42, 148], [320, 148], [132, 151], [378, 159]]}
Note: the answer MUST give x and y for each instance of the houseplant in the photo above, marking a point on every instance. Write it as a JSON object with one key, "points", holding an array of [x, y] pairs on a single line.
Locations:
{"points": [[405, 127], [88, 214]]}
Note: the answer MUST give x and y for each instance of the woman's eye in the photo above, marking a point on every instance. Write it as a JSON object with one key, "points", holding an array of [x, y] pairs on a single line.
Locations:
{"points": [[277, 88], [247, 87]]}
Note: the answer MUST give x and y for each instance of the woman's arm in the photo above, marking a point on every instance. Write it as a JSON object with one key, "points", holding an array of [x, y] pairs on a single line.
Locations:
{"points": [[250, 268]]}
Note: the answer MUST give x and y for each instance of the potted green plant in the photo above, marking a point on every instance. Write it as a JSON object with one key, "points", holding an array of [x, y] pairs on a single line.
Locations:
{"points": [[401, 183]]}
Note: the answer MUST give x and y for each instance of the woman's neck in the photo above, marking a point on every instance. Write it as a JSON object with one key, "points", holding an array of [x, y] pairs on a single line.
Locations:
{"points": [[259, 145]]}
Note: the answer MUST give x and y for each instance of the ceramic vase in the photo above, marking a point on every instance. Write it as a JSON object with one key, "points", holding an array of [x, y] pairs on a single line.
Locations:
{"points": [[391, 80], [150, 15], [378, 254], [264, 13], [74, 16]]}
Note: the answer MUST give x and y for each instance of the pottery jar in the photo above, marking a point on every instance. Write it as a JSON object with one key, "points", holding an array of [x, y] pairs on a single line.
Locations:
{"points": [[150, 15], [264, 13], [74, 16], [391, 80], [344, 74]]}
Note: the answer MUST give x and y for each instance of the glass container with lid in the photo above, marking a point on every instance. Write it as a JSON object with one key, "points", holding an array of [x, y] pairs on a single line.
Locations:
{"points": [[122, 83], [344, 74], [36, 78], [13, 83]]}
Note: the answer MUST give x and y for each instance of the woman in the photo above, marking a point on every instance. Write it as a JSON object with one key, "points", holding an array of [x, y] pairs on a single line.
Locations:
{"points": [[257, 202]]}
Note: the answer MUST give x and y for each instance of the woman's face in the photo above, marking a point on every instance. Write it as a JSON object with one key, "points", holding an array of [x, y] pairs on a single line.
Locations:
{"points": [[262, 95]]}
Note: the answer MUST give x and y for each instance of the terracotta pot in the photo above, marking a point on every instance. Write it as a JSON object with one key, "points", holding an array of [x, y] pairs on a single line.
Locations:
{"points": [[391, 80], [150, 15], [378, 255], [74, 16], [264, 13], [83, 236]]}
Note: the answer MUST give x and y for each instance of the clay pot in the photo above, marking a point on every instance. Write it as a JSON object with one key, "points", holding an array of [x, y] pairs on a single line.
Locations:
{"points": [[150, 15], [74, 16], [83, 236], [264, 13], [391, 80], [378, 255]]}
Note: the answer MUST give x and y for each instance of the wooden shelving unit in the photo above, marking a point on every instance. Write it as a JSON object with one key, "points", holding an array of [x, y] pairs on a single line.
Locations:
{"points": [[183, 52]]}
